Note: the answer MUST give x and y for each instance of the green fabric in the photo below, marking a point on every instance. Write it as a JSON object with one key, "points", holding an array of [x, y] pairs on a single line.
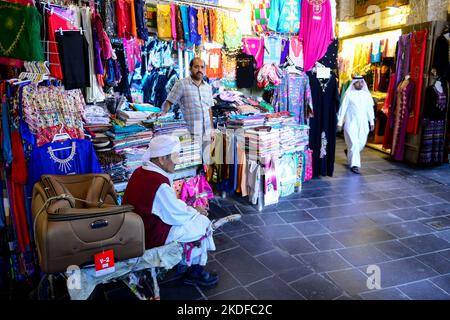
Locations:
{"points": [[267, 106], [20, 32]]}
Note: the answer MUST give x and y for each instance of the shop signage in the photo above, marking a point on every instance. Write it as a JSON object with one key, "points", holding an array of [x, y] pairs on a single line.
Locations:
{"points": [[362, 5], [104, 263]]}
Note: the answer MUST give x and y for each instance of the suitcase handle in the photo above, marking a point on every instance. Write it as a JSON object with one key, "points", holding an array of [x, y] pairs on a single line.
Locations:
{"points": [[99, 224]]}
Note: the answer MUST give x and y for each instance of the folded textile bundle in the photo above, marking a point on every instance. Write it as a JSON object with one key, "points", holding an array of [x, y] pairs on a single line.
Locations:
{"points": [[236, 122], [95, 114], [262, 143]]}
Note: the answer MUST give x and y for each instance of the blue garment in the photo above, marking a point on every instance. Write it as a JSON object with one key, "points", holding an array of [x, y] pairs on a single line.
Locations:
{"points": [[375, 56], [2, 208], [82, 161], [284, 15], [272, 54], [185, 18], [193, 26], [7, 151]]}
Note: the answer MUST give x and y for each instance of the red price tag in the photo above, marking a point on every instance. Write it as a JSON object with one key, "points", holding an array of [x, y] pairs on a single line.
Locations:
{"points": [[104, 263]]}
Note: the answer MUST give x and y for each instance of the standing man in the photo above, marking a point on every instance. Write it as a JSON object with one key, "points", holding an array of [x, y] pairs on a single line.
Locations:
{"points": [[195, 98], [357, 116]]}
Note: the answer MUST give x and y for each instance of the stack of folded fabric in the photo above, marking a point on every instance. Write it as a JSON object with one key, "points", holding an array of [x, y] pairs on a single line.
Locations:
{"points": [[262, 143], [114, 164], [245, 122], [133, 117], [134, 157], [102, 143], [96, 118], [190, 154], [129, 136]]}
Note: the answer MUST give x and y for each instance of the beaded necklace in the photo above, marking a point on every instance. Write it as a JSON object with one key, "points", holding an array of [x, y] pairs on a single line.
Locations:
{"points": [[64, 164]]}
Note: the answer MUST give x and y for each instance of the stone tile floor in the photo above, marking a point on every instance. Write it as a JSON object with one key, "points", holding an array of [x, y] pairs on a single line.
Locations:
{"points": [[318, 244]]}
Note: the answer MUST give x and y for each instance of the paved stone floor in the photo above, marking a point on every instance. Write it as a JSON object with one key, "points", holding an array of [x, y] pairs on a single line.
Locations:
{"points": [[319, 243]]}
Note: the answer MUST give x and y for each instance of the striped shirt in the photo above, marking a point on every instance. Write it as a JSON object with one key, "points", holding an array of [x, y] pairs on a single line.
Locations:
{"points": [[195, 103]]}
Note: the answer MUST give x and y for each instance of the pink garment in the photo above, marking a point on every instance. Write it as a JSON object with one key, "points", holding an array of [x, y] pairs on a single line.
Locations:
{"points": [[316, 30], [254, 47], [309, 165], [133, 53], [105, 43], [193, 188], [173, 21], [16, 63]]}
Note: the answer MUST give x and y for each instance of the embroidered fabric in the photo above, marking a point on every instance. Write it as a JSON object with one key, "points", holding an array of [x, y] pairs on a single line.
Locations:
{"points": [[192, 191]]}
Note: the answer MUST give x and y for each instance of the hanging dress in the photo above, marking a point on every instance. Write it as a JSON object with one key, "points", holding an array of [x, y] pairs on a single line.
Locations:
{"points": [[316, 30]]}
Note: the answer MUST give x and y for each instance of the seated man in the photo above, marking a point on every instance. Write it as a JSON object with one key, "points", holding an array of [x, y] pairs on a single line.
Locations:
{"points": [[166, 218]]}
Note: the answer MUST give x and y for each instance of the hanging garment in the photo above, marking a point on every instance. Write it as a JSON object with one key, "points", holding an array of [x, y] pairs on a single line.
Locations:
{"points": [[151, 17], [196, 39], [141, 28], [316, 30], [133, 19], [18, 183], [284, 50], [329, 60], [78, 157], [433, 124], [254, 47], [296, 51], [441, 59], [185, 20], [294, 95], [109, 17], [217, 35], [387, 139], [54, 23], [133, 53], [271, 194], [405, 101], [355, 114], [245, 18], [284, 15], [74, 55], [179, 24], [245, 71], [201, 25], [322, 135], [260, 15], [418, 49], [105, 43], [375, 56], [164, 21], [94, 92], [173, 21], [20, 36], [287, 174], [231, 32], [123, 16], [253, 181], [272, 52], [213, 62]]}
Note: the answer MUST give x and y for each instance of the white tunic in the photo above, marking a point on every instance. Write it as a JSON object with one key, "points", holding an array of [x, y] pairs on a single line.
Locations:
{"points": [[355, 114], [187, 223]]}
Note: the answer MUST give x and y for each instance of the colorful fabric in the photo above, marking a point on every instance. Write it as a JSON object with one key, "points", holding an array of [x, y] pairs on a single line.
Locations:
{"points": [[196, 192], [164, 21], [316, 30], [432, 146], [272, 52], [123, 16], [418, 50], [284, 15], [255, 47], [21, 27], [260, 15]]}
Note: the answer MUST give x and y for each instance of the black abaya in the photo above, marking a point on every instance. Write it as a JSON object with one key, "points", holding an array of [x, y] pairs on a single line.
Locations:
{"points": [[322, 135]]}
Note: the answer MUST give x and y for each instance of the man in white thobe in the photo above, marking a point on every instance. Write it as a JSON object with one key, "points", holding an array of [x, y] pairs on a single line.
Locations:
{"points": [[357, 117]]}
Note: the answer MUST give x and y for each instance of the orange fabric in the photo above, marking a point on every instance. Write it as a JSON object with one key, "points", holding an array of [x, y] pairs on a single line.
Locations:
{"points": [[133, 20]]}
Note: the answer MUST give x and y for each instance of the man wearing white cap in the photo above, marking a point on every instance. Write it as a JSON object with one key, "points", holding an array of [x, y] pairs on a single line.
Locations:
{"points": [[166, 218], [357, 116]]}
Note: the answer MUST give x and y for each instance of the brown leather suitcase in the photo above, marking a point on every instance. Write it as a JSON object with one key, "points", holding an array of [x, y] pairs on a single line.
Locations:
{"points": [[70, 231]]}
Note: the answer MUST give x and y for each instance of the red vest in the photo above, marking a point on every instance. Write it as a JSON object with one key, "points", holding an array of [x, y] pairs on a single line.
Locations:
{"points": [[140, 193]]}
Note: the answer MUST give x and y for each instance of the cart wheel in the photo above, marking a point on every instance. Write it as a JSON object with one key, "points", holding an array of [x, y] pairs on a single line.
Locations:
{"points": [[52, 287]]}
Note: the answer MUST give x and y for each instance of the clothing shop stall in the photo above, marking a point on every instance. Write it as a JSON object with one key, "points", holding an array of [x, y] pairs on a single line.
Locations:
{"points": [[83, 84]]}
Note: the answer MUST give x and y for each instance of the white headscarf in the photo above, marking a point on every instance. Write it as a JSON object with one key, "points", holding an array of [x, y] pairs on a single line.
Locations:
{"points": [[352, 87], [161, 146]]}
